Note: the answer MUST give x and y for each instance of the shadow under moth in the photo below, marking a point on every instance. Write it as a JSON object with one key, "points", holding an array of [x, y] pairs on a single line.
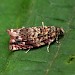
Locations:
{"points": [[33, 37]]}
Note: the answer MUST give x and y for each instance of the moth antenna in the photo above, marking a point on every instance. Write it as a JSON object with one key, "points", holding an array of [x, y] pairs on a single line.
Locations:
{"points": [[9, 31]]}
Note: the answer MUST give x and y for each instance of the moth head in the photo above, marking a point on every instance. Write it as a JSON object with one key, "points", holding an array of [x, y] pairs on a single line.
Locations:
{"points": [[13, 32], [14, 35], [60, 32]]}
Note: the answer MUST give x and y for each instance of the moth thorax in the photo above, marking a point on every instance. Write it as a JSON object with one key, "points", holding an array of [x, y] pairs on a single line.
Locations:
{"points": [[53, 28]]}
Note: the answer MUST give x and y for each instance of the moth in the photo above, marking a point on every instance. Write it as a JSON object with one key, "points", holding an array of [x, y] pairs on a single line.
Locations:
{"points": [[33, 37]]}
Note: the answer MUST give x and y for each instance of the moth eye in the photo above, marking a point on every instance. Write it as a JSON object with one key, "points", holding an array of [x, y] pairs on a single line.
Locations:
{"points": [[8, 31]]}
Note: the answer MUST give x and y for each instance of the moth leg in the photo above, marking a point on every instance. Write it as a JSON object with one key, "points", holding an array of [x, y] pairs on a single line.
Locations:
{"points": [[27, 51], [23, 27], [48, 47], [43, 24], [57, 41]]}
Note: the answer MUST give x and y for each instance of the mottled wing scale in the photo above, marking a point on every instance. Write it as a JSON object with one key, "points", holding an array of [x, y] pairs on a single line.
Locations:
{"points": [[32, 37]]}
